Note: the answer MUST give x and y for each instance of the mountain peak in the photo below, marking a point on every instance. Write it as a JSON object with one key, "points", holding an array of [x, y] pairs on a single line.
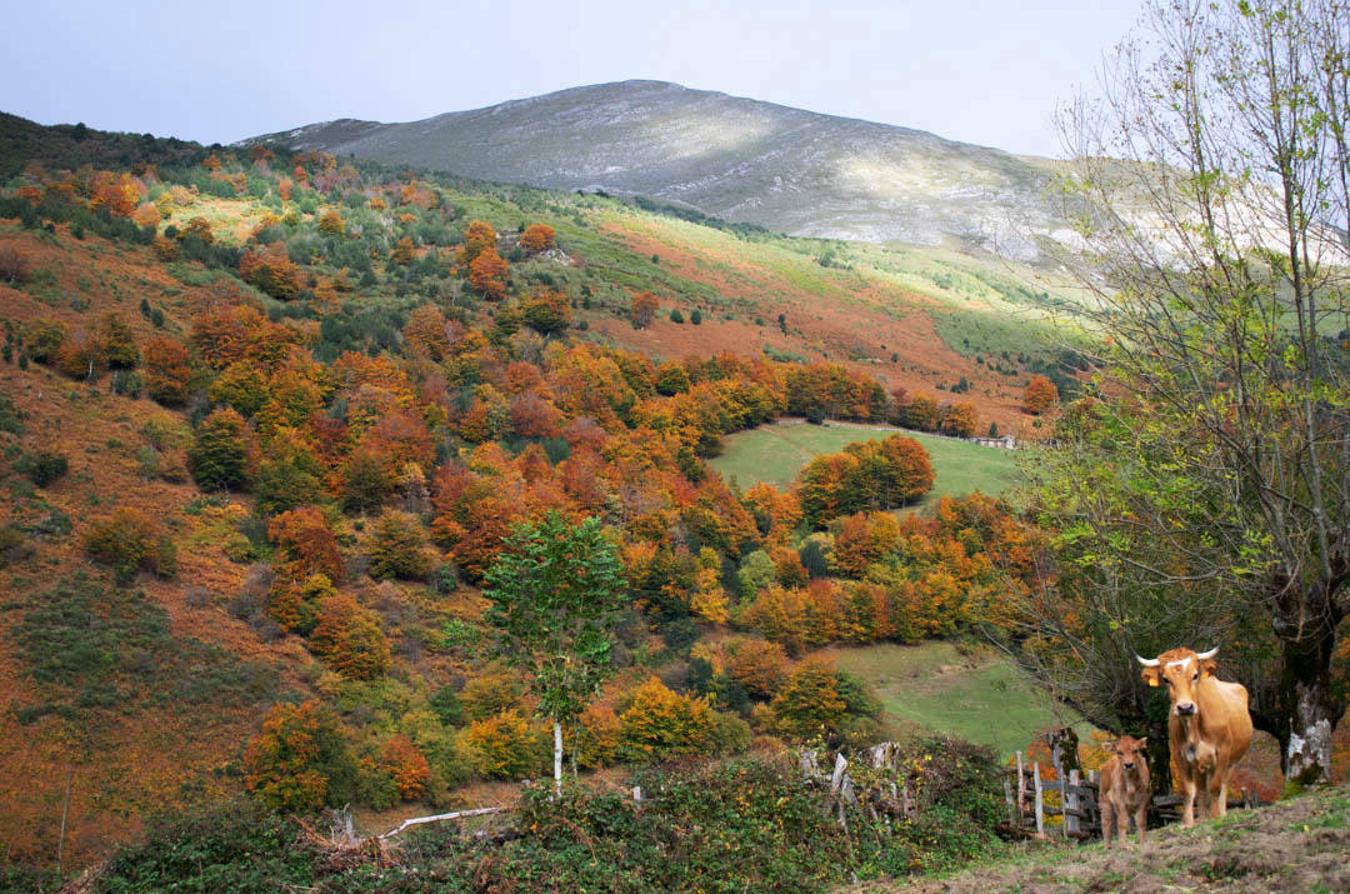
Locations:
{"points": [[789, 169]]}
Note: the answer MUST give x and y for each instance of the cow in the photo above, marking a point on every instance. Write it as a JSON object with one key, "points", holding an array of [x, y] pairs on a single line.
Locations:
{"points": [[1208, 728], [1124, 790]]}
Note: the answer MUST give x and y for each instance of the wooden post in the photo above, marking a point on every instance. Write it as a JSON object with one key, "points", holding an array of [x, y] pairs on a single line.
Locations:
{"points": [[1063, 802], [1040, 802], [1007, 796], [637, 795], [1072, 803], [1021, 790]]}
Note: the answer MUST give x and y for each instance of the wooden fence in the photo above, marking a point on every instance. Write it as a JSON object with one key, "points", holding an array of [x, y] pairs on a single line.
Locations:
{"points": [[1026, 786]]}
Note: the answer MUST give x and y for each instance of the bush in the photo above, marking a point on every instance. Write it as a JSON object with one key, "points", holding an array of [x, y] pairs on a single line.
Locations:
{"points": [[661, 724], [398, 547], [14, 267], [221, 456], [292, 762], [129, 541], [504, 746], [43, 466]]}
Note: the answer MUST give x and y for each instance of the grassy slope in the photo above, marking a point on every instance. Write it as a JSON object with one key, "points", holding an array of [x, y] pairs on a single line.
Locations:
{"points": [[934, 686], [775, 453], [1298, 845]]}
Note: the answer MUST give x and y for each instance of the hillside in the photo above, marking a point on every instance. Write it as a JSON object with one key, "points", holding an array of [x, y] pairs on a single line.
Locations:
{"points": [[788, 169], [1297, 845], [213, 365]]}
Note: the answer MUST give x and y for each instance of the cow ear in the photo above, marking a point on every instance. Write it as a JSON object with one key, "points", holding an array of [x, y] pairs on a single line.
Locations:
{"points": [[1152, 676], [1209, 667], [1109, 747], [1143, 743]]}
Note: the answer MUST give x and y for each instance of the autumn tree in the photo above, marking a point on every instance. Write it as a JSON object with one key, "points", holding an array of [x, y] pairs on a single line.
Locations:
{"points": [[166, 371], [643, 309], [959, 420], [129, 541], [810, 703], [487, 274], [1210, 486], [293, 763], [660, 724], [306, 543], [223, 453], [1040, 395], [398, 547], [547, 311], [479, 236], [537, 237], [555, 593]]}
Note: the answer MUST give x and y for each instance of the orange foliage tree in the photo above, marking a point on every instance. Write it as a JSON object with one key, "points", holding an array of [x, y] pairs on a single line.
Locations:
{"points": [[643, 309], [487, 274], [537, 237], [289, 762], [1040, 395]]}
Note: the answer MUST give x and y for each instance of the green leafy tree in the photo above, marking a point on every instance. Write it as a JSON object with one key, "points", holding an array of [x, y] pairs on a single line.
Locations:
{"points": [[555, 593], [1217, 496]]}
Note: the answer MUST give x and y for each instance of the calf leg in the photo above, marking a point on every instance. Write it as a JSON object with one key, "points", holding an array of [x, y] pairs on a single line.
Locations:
{"points": [[1108, 823], [1141, 820]]}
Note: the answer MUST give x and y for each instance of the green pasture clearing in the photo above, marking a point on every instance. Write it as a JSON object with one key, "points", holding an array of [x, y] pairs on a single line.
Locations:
{"points": [[776, 453], [978, 696]]}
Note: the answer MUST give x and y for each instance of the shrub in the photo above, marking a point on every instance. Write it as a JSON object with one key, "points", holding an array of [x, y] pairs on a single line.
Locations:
{"points": [[222, 454], [129, 541], [408, 766], [504, 746], [660, 724], [758, 665], [398, 547], [537, 237], [810, 703], [43, 466], [292, 762], [43, 339], [14, 267], [307, 543]]}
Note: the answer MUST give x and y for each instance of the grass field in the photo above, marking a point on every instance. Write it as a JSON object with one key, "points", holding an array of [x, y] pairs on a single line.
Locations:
{"points": [[775, 453], [980, 697]]}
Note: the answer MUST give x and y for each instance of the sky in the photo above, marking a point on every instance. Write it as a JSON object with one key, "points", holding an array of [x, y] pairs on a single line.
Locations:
{"points": [[981, 72]]}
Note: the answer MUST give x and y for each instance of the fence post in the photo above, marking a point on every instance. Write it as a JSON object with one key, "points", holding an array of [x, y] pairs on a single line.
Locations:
{"points": [[1072, 801], [1007, 796], [1040, 802], [1021, 791]]}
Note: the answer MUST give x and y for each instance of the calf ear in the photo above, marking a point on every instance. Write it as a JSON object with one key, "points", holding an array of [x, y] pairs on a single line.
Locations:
{"points": [[1209, 667], [1152, 676], [1143, 743]]}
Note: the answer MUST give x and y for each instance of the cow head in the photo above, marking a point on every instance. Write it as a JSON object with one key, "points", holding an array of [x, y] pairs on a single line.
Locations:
{"points": [[1130, 751], [1180, 670]]}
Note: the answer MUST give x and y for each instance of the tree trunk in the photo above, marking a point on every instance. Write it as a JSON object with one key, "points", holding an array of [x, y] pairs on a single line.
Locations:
{"points": [[1311, 705], [557, 758]]}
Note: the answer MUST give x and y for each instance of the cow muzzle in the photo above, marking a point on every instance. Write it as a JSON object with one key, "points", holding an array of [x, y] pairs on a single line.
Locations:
{"points": [[1185, 709]]}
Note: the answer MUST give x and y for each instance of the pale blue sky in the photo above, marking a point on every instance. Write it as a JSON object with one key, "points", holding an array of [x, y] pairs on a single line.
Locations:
{"points": [[983, 72]]}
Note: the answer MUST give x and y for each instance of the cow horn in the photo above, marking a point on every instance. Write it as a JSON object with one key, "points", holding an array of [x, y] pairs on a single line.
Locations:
{"points": [[1146, 662], [1205, 656]]}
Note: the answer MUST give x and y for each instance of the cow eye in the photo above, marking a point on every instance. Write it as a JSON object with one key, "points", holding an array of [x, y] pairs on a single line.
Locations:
{"points": [[1195, 676]]}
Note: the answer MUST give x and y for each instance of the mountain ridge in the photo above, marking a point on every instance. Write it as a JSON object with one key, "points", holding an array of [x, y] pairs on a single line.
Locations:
{"points": [[794, 170]]}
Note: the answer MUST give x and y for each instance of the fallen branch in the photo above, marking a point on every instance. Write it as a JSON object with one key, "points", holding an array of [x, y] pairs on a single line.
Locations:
{"points": [[436, 818]]}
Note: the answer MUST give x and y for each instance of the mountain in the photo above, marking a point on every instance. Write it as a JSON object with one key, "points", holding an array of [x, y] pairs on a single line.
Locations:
{"points": [[787, 169]]}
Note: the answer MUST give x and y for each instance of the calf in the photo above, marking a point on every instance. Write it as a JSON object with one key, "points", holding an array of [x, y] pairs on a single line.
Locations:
{"points": [[1124, 789]]}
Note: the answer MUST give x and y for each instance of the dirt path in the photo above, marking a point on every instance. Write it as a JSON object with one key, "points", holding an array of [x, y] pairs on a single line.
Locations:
{"points": [[1300, 845]]}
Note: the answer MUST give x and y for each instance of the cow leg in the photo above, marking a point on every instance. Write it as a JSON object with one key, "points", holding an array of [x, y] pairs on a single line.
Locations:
{"points": [[1141, 821], [1108, 823], [1218, 792], [1123, 824], [1188, 792]]}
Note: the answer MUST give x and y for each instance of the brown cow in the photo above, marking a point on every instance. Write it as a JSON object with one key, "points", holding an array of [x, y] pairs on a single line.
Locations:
{"points": [[1208, 728], [1124, 790]]}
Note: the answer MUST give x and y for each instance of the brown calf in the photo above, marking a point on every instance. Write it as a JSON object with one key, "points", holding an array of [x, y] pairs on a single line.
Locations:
{"points": [[1124, 791]]}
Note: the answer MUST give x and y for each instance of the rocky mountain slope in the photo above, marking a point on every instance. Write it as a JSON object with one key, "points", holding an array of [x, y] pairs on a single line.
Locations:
{"points": [[788, 169]]}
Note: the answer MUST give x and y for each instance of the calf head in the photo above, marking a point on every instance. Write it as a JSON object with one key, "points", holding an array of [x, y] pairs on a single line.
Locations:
{"points": [[1131, 752], [1180, 670]]}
